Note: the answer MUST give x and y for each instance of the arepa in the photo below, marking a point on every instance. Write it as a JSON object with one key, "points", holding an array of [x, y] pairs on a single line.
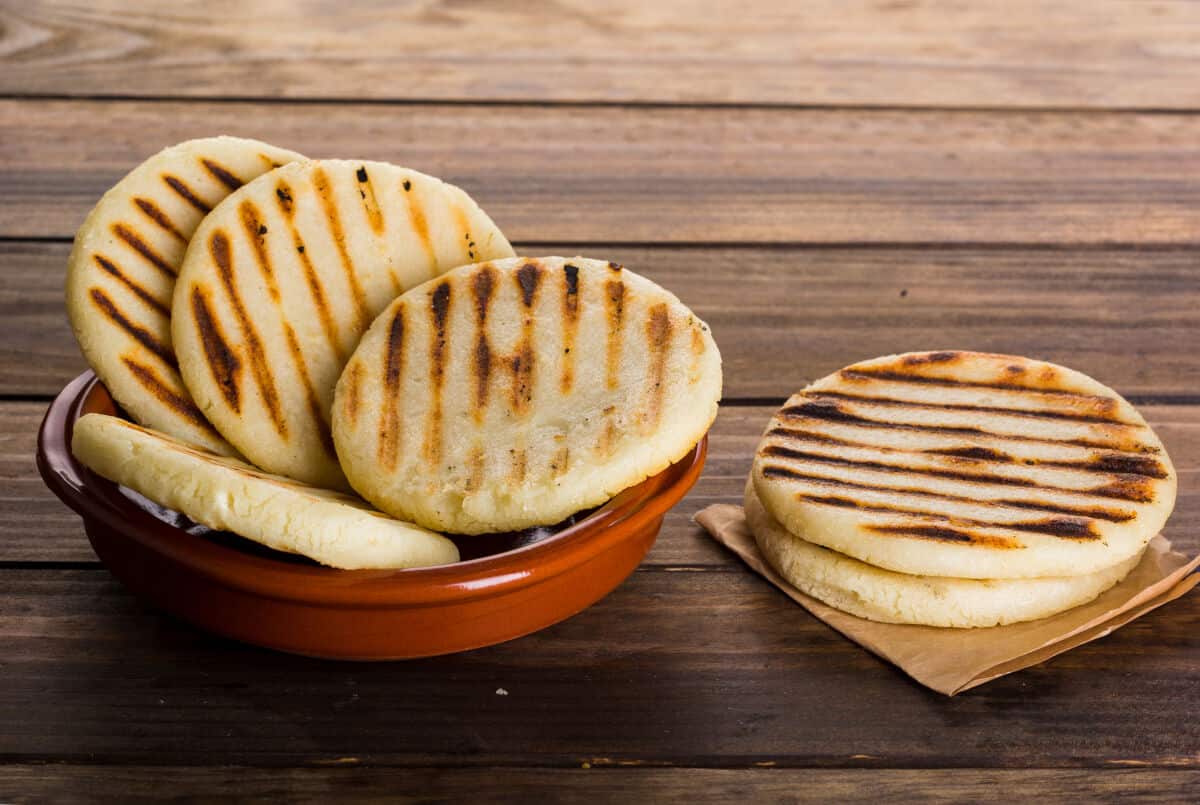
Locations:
{"points": [[889, 597], [285, 275], [224, 493], [967, 465], [514, 393], [121, 274]]}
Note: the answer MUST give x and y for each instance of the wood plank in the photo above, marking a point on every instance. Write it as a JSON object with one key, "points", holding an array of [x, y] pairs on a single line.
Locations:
{"points": [[1027, 53], [693, 669], [38, 528], [57, 782], [672, 175], [786, 316]]}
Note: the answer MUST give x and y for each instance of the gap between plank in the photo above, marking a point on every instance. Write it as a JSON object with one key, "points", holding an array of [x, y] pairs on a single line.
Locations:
{"points": [[600, 104]]}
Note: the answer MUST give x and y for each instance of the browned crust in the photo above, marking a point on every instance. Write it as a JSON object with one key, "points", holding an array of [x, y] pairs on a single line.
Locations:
{"points": [[333, 220], [113, 270], [283, 194], [570, 311], [658, 342], [483, 285], [256, 233], [160, 218], [147, 339], [221, 174], [140, 246], [222, 360], [614, 300], [180, 188], [315, 409], [439, 311], [393, 374], [1103, 419], [181, 404]]}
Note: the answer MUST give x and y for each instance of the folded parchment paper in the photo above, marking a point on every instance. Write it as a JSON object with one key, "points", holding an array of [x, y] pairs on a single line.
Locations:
{"points": [[953, 660]]}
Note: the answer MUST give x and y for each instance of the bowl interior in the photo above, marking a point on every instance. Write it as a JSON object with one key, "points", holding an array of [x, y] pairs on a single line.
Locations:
{"points": [[488, 560]]}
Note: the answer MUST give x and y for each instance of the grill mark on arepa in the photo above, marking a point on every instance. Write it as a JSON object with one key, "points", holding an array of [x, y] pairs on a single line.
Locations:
{"points": [[155, 214], [865, 374], [570, 310], [219, 247], [818, 394], [439, 310], [1093, 512], [393, 373], [464, 227], [222, 361], [370, 204], [184, 192], [945, 534], [529, 278], [283, 193], [221, 174], [829, 411], [1117, 464], [172, 398], [1122, 488], [333, 220], [135, 331], [614, 298], [141, 247], [416, 217], [658, 341], [1078, 527], [256, 233], [483, 285], [353, 383], [315, 408], [112, 269]]}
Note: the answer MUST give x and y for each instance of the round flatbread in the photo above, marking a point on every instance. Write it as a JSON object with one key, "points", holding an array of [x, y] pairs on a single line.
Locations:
{"points": [[286, 274], [883, 595], [121, 274], [967, 465], [514, 393], [224, 493]]}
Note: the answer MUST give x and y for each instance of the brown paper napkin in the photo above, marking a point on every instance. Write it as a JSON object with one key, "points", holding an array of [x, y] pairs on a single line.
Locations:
{"points": [[953, 660]]}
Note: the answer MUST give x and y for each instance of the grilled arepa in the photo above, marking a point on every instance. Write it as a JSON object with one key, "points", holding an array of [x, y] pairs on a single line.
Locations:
{"points": [[224, 493], [517, 392], [967, 465], [285, 275], [883, 595], [121, 274]]}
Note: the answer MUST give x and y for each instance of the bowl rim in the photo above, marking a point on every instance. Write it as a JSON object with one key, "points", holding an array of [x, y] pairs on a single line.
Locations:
{"points": [[98, 500]]}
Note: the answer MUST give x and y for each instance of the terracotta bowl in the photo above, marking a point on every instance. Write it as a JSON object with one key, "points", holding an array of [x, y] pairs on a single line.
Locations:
{"points": [[511, 585]]}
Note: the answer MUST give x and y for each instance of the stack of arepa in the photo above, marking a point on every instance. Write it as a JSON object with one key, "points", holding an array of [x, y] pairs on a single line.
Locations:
{"points": [[957, 489], [289, 331]]}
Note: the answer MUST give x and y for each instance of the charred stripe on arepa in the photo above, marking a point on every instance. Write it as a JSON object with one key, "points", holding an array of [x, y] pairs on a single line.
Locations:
{"points": [[420, 226], [315, 408], [113, 270], [221, 174], [222, 361], [864, 374], [181, 189], [945, 534], [614, 300], [830, 411], [658, 341], [283, 194], [464, 226], [483, 285], [529, 278], [1134, 490], [370, 204], [818, 394], [140, 246], [219, 248], [1067, 526], [174, 398], [1093, 512], [439, 311], [333, 220], [256, 233], [570, 311], [393, 374], [1113, 463], [147, 339], [155, 214], [353, 383]]}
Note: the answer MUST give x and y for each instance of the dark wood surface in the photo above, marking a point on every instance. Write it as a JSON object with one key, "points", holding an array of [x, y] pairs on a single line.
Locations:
{"points": [[822, 184]]}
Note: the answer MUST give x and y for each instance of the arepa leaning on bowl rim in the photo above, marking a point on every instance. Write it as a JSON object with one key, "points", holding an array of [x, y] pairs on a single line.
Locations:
{"points": [[967, 465], [285, 275], [882, 595], [517, 392], [121, 274]]}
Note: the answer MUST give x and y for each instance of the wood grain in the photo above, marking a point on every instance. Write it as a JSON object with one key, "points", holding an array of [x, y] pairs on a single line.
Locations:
{"points": [[38, 528], [663, 175], [783, 317], [672, 668], [1026, 53], [349, 782]]}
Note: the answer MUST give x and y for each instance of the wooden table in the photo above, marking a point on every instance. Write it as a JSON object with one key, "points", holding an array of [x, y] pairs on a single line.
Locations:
{"points": [[822, 184]]}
